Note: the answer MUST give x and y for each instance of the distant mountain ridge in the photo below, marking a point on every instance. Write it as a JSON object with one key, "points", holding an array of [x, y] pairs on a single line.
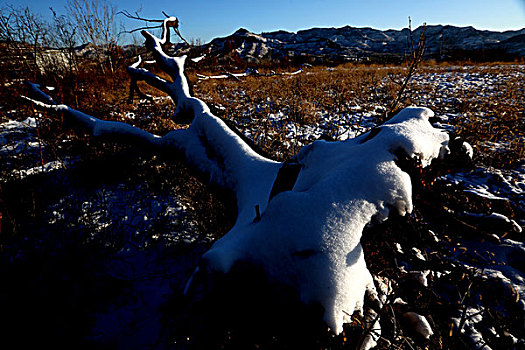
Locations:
{"points": [[352, 43]]}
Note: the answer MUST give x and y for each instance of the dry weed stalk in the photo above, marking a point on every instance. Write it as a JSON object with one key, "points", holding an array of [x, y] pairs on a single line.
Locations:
{"points": [[415, 54]]}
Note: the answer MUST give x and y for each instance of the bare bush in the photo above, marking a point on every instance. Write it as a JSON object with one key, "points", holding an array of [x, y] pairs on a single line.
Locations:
{"points": [[65, 37], [24, 36], [97, 25]]}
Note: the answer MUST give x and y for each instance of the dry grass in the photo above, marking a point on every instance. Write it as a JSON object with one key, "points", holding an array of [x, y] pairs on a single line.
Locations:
{"points": [[488, 123], [299, 99], [302, 100], [493, 117]]}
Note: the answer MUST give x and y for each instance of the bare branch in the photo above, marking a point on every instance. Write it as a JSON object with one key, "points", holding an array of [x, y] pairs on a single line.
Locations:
{"points": [[140, 28], [94, 126], [138, 74], [393, 80], [417, 56], [96, 24], [129, 15], [167, 23], [35, 90]]}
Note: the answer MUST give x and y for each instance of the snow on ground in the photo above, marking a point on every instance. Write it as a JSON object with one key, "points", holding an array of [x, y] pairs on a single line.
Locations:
{"points": [[493, 184], [133, 322], [139, 224], [144, 228], [500, 265], [17, 138], [22, 152]]}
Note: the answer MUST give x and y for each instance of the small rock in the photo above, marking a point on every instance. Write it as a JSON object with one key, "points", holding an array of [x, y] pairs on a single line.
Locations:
{"points": [[399, 301], [421, 277], [419, 324], [417, 253]]}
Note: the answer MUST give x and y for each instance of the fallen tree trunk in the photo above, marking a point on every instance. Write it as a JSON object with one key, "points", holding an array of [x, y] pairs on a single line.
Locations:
{"points": [[300, 222]]}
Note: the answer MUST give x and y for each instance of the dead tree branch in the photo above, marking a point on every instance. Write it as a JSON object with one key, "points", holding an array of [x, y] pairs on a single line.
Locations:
{"points": [[306, 235], [166, 24]]}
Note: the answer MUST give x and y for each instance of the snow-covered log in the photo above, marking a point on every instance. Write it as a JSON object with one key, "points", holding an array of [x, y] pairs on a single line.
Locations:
{"points": [[300, 221]]}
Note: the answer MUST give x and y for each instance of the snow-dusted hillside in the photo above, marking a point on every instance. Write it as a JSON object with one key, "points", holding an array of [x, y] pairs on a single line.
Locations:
{"points": [[350, 43]]}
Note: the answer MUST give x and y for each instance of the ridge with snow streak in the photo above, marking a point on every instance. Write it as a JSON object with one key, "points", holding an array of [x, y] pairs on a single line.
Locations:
{"points": [[352, 43]]}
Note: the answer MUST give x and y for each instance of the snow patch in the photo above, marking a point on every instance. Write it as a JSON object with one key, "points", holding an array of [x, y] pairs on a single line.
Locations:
{"points": [[493, 184], [45, 168]]}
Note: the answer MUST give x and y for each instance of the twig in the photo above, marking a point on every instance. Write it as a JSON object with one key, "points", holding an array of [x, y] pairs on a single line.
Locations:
{"points": [[165, 24], [405, 340], [39, 143], [411, 36], [129, 15], [417, 57], [465, 302], [370, 326], [176, 30], [397, 82], [141, 28]]}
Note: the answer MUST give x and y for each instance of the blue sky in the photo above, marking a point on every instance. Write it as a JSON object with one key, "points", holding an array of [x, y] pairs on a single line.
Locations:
{"points": [[206, 19]]}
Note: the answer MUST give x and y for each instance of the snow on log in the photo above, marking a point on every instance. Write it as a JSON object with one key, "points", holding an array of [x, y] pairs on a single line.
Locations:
{"points": [[309, 237], [305, 235], [94, 126]]}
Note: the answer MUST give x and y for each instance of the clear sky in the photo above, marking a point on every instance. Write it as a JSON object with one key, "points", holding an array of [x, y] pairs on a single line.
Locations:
{"points": [[206, 19]]}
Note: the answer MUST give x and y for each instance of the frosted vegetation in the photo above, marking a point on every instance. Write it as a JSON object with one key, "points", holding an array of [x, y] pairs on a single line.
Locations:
{"points": [[123, 227]]}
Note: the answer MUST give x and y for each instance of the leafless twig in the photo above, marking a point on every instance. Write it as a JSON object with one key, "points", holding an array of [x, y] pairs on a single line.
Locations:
{"points": [[417, 53], [169, 22], [137, 17]]}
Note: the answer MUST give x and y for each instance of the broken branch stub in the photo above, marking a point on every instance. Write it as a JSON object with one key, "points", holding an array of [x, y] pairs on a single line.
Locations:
{"points": [[310, 213]]}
